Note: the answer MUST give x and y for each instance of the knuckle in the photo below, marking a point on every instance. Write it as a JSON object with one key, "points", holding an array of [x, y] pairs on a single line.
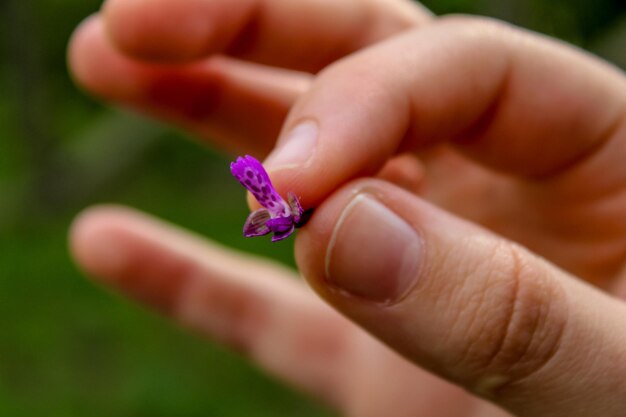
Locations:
{"points": [[521, 320]]}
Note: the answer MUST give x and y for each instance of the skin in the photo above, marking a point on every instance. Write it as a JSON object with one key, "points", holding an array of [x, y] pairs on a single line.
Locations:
{"points": [[501, 149]]}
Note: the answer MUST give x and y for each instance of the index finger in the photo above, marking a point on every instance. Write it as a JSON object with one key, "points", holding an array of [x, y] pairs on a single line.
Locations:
{"points": [[515, 102], [296, 34]]}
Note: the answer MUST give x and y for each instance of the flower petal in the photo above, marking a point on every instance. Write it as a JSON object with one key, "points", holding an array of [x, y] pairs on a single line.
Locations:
{"points": [[251, 174], [295, 206], [256, 223], [280, 224], [283, 235]]}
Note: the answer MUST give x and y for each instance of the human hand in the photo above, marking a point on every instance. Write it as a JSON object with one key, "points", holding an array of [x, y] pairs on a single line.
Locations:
{"points": [[484, 313]]}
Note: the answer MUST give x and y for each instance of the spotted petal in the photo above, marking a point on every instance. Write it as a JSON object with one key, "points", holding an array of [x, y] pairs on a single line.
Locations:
{"points": [[251, 174], [278, 216]]}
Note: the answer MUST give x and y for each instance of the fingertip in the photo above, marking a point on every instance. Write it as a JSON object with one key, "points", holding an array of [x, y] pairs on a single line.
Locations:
{"points": [[129, 251], [314, 239], [96, 66], [79, 48], [96, 241], [359, 121]]}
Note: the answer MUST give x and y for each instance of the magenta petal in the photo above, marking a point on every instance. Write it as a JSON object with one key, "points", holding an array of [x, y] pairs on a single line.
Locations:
{"points": [[282, 235], [280, 224], [256, 223], [251, 174], [278, 216]]}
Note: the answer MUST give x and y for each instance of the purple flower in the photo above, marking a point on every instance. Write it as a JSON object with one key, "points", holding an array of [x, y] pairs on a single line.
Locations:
{"points": [[278, 216]]}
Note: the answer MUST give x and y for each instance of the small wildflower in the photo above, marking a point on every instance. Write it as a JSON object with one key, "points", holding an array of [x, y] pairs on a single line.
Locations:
{"points": [[278, 216]]}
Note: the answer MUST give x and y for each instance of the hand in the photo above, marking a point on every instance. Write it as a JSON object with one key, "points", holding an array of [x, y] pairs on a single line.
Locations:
{"points": [[517, 135]]}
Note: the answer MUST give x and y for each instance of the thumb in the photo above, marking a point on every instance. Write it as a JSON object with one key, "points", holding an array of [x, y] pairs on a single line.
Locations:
{"points": [[467, 305]]}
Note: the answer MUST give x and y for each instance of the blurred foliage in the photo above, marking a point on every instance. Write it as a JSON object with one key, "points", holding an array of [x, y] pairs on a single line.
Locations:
{"points": [[68, 348]]}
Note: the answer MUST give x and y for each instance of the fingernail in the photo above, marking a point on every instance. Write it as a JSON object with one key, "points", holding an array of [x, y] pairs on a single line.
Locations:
{"points": [[373, 253], [297, 148]]}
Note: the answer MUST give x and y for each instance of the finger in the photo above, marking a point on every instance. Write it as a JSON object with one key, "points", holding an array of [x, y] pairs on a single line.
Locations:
{"points": [[405, 171], [466, 304], [514, 101], [619, 287], [249, 304], [550, 118], [256, 307], [239, 106], [298, 34]]}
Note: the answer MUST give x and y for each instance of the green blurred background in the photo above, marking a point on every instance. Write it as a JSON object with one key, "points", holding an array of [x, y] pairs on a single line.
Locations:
{"points": [[67, 348]]}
